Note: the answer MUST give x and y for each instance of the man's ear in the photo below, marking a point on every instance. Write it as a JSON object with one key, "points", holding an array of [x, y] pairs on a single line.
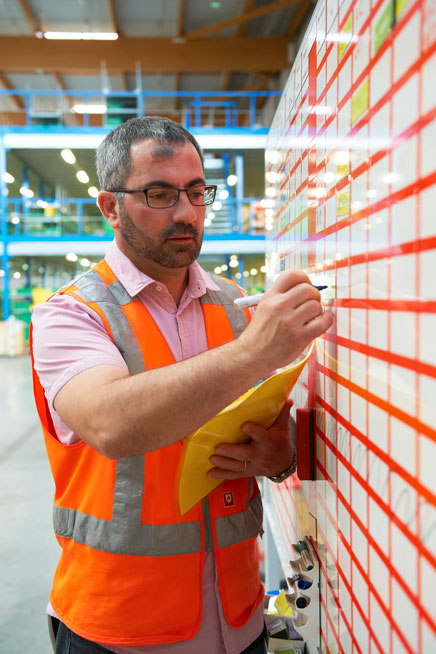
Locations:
{"points": [[108, 205]]}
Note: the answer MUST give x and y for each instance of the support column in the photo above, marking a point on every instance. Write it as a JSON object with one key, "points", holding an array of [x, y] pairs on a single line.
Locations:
{"points": [[4, 233], [241, 268], [239, 171]]}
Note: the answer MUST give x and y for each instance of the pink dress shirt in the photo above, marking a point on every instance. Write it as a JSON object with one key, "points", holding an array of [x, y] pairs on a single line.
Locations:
{"points": [[70, 338]]}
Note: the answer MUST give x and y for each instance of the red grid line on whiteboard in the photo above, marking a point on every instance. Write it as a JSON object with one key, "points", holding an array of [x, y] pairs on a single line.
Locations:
{"points": [[370, 584], [346, 582], [417, 532], [415, 540], [385, 203], [390, 409]]}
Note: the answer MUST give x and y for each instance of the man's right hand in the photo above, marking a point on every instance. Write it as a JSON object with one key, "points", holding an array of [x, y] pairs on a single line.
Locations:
{"points": [[288, 317]]}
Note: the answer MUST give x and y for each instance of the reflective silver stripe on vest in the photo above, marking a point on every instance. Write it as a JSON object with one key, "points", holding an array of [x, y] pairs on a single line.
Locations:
{"points": [[125, 534], [127, 537], [110, 299], [224, 298], [240, 526]]}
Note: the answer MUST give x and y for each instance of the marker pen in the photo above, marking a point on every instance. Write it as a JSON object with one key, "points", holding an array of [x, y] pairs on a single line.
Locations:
{"points": [[252, 300]]}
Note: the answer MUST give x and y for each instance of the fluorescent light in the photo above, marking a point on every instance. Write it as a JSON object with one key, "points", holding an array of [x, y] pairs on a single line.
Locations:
{"points": [[78, 36], [99, 36], [89, 108], [93, 191], [68, 156], [82, 176], [8, 178], [27, 192]]}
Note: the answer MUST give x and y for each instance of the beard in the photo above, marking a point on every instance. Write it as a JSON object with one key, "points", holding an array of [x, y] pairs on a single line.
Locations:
{"points": [[166, 253]]}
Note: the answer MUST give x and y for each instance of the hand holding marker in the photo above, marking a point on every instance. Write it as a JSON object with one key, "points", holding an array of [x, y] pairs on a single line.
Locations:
{"points": [[253, 300]]}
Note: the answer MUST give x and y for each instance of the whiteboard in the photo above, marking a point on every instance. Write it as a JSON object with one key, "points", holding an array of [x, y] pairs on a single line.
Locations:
{"points": [[351, 182]]}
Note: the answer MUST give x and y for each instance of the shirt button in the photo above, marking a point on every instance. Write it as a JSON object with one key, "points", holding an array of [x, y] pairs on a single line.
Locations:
{"points": [[158, 287]]}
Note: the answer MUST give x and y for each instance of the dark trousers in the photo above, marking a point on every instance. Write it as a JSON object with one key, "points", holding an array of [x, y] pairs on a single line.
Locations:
{"points": [[67, 642]]}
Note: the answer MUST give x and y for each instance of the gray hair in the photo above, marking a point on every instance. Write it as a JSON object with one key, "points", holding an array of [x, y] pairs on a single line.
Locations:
{"points": [[113, 154]]}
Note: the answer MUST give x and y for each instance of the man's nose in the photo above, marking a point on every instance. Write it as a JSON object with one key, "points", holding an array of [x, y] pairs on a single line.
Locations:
{"points": [[183, 210]]}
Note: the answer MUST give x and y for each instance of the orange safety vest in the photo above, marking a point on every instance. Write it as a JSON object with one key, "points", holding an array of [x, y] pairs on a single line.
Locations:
{"points": [[130, 571]]}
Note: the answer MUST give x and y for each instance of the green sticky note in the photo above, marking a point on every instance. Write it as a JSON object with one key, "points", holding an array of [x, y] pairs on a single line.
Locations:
{"points": [[383, 26]]}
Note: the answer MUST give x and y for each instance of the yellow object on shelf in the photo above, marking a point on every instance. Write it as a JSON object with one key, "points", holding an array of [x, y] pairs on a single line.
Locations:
{"points": [[40, 295], [261, 404]]}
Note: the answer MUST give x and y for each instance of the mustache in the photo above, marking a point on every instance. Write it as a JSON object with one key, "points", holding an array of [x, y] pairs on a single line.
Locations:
{"points": [[179, 229]]}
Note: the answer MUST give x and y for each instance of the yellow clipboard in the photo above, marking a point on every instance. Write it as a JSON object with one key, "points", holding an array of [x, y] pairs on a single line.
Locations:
{"points": [[261, 404]]}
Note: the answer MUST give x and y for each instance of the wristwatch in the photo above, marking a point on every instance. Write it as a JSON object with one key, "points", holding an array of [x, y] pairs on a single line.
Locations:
{"points": [[277, 479]]}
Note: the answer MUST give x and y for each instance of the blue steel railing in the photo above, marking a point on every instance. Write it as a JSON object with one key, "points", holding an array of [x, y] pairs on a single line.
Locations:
{"points": [[77, 218], [54, 108]]}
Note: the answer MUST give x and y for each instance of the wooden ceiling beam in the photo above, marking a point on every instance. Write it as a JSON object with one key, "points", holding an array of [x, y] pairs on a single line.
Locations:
{"points": [[248, 54], [34, 24], [18, 104], [242, 18]]}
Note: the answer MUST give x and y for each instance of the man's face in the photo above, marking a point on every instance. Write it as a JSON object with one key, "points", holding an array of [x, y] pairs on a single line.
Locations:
{"points": [[172, 237]]}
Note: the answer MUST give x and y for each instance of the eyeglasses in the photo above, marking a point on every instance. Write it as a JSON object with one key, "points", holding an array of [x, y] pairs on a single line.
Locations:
{"points": [[164, 197]]}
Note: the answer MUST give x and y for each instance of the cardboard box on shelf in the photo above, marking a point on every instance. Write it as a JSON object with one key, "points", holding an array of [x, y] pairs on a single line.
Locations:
{"points": [[12, 342]]}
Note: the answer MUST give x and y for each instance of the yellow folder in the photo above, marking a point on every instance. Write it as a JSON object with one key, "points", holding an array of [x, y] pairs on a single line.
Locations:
{"points": [[261, 404]]}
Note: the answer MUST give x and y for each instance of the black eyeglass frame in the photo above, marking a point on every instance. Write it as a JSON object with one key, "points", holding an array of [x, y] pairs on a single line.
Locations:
{"points": [[179, 190]]}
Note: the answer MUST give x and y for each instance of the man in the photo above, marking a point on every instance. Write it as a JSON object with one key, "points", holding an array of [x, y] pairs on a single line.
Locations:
{"points": [[130, 358]]}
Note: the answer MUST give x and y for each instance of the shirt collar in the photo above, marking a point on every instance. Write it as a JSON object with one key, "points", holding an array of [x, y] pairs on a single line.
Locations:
{"points": [[134, 281]]}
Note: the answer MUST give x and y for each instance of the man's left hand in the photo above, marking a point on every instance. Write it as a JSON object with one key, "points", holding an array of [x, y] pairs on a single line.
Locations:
{"points": [[269, 452]]}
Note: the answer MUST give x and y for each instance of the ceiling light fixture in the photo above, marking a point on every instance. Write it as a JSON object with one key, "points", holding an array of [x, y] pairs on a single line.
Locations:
{"points": [[82, 176], [8, 178], [89, 108], [82, 36], [68, 156], [93, 191]]}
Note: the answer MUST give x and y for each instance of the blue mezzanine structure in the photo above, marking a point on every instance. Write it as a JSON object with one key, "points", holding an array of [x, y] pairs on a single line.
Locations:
{"points": [[50, 114], [55, 108]]}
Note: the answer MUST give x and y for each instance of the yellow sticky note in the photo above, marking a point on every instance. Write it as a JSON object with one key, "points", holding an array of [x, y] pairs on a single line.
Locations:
{"points": [[346, 34], [360, 101], [282, 605], [261, 404]]}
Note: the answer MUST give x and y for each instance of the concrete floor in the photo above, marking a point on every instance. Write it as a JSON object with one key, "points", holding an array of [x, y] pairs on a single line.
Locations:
{"points": [[28, 549]]}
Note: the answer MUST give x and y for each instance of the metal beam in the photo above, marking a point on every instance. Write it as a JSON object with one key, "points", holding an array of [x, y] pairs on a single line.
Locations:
{"points": [[303, 10], [114, 20], [18, 104], [34, 24], [248, 54], [239, 32], [181, 19], [69, 99], [255, 13]]}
